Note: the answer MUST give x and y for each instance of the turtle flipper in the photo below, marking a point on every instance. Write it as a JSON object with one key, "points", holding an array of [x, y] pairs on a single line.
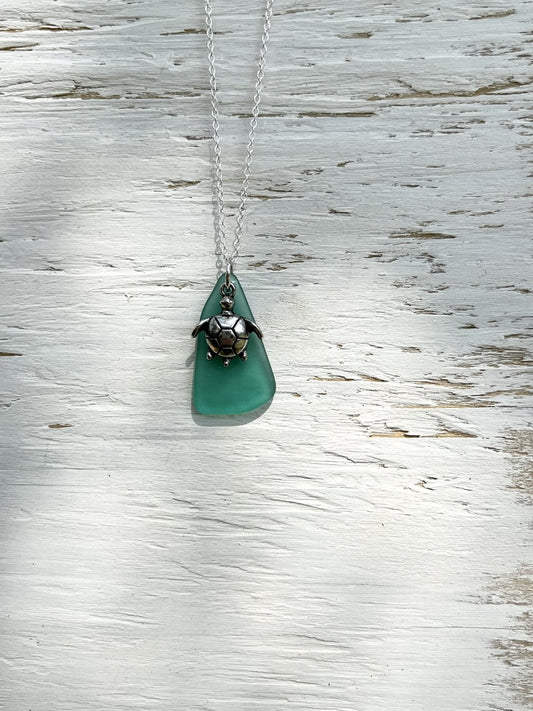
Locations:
{"points": [[200, 327], [253, 328]]}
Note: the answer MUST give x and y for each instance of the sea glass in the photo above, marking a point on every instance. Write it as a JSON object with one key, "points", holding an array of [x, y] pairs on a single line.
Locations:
{"points": [[242, 386]]}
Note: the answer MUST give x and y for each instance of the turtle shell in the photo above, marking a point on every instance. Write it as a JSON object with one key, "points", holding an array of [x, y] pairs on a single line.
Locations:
{"points": [[226, 335]]}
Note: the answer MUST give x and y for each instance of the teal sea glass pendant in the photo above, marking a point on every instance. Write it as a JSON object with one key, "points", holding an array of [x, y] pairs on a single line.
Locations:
{"points": [[232, 373]]}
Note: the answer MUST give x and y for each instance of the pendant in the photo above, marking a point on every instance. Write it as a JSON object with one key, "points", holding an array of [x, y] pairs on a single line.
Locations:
{"points": [[232, 373]]}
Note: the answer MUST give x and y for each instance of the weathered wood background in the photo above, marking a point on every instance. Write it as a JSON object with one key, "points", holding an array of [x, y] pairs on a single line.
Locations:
{"points": [[363, 545]]}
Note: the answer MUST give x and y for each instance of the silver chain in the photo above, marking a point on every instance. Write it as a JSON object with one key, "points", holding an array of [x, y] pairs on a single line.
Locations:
{"points": [[220, 216]]}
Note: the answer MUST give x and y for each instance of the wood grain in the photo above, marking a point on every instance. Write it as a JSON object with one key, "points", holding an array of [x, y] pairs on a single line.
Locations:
{"points": [[363, 545]]}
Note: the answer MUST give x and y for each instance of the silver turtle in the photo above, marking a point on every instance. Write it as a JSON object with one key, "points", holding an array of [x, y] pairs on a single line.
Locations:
{"points": [[227, 333]]}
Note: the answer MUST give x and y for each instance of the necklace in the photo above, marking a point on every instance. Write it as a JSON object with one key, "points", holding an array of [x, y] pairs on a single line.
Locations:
{"points": [[232, 373]]}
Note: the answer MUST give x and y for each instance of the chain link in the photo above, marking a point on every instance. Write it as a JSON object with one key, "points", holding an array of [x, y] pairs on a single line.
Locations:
{"points": [[221, 240]]}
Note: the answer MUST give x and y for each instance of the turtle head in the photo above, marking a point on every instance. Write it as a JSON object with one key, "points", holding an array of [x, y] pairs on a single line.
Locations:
{"points": [[227, 303]]}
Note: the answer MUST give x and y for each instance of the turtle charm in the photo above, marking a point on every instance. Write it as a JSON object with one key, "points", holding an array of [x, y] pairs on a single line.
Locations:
{"points": [[227, 333]]}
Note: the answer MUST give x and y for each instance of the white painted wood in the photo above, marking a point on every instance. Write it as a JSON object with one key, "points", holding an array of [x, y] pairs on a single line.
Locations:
{"points": [[363, 545]]}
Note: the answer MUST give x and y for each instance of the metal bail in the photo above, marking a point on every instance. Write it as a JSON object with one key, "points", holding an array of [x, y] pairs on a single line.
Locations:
{"points": [[228, 275], [228, 288]]}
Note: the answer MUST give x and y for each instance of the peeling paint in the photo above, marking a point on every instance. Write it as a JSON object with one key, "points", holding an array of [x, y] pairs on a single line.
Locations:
{"points": [[363, 543]]}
